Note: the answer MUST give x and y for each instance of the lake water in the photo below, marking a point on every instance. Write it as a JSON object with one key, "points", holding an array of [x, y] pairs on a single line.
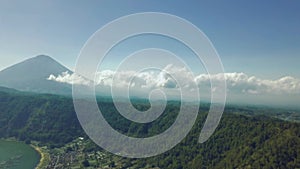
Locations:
{"points": [[16, 155]]}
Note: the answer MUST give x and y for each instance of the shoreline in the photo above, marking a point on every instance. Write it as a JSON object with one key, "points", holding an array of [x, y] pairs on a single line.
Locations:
{"points": [[42, 158], [43, 155]]}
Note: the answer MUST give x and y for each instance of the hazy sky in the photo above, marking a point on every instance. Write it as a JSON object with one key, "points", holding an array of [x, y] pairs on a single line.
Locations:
{"points": [[258, 38]]}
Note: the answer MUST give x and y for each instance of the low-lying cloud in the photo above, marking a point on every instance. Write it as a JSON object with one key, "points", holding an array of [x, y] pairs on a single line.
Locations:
{"points": [[236, 82], [241, 82]]}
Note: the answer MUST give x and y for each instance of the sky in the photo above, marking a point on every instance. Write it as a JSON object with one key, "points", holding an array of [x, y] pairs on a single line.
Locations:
{"points": [[255, 38]]}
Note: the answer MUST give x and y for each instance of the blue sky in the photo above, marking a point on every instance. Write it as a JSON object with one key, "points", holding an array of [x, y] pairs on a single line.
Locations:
{"points": [[258, 38]]}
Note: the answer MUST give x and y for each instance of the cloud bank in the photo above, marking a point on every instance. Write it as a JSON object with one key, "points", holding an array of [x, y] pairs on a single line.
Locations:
{"points": [[148, 80]]}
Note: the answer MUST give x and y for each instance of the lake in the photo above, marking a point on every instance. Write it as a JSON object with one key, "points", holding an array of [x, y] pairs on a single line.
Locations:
{"points": [[17, 155]]}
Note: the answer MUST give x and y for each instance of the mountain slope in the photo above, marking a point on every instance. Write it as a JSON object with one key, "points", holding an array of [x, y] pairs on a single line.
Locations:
{"points": [[239, 141], [31, 75], [43, 117]]}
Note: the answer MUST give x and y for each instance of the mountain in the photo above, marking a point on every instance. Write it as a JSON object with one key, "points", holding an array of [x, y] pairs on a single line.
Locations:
{"points": [[31, 75]]}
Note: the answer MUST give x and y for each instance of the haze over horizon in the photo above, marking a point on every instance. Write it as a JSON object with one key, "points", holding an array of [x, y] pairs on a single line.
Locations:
{"points": [[241, 88]]}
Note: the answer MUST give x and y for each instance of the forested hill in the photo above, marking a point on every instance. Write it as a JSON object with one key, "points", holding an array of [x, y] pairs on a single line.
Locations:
{"points": [[239, 142], [47, 118]]}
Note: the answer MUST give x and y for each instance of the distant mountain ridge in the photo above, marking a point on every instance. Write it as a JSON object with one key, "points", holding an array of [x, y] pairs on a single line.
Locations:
{"points": [[31, 75]]}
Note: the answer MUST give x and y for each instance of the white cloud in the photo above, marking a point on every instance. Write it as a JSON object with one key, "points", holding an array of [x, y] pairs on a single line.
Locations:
{"points": [[240, 82], [236, 82], [66, 77]]}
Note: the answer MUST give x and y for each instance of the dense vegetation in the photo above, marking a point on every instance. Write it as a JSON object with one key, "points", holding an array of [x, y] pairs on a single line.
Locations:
{"points": [[46, 118], [241, 141]]}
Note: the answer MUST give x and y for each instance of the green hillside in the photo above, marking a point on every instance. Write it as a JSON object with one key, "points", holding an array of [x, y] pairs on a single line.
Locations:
{"points": [[241, 141]]}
